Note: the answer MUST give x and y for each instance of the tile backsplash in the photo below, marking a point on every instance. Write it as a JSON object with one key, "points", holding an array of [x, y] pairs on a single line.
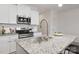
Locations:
{"points": [[7, 27]]}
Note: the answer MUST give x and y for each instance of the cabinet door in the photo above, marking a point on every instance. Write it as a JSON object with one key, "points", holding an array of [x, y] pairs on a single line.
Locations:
{"points": [[4, 13], [4, 46], [24, 10], [12, 43], [12, 14], [34, 17], [19, 10]]}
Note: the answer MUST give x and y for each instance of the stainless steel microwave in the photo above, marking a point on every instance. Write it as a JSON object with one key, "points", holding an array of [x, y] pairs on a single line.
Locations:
{"points": [[23, 20]]}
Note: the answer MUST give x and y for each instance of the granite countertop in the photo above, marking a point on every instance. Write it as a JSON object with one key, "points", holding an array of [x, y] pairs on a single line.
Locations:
{"points": [[54, 45], [6, 34]]}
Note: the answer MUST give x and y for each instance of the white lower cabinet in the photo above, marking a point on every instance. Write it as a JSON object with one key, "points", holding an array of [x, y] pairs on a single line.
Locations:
{"points": [[8, 44], [12, 46], [12, 43], [4, 45]]}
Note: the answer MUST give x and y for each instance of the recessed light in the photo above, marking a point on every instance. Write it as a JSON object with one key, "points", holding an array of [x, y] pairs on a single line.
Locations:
{"points": [[60, 5]]}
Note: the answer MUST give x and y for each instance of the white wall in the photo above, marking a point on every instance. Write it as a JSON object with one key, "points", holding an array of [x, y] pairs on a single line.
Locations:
{"points": [[54, 21], [68, 22], [65, 21]]}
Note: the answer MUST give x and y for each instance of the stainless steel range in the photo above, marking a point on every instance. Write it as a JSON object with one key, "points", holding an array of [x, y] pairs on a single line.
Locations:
{"points": [[24, 33]]}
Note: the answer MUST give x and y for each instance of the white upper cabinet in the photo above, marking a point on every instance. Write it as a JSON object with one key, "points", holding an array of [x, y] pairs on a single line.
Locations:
{"points": [[4, 13], [19, 10], [12, 14], [34, 17], [24, 10], [8, 13]]}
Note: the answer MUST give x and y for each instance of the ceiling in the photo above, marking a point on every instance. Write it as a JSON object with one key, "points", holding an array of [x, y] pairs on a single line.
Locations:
{"points": [[46, 7]]}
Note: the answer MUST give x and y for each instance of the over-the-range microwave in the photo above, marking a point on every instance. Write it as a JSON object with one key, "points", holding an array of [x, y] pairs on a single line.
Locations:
{"points": [[23, 20]]}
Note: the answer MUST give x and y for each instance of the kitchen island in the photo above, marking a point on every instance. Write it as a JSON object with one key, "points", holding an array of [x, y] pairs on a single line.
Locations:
{"points": [[53, 45]]}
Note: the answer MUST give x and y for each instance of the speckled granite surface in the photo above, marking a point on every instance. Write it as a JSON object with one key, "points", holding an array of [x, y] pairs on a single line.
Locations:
{"points": [[52, 46], [6, 34]]}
